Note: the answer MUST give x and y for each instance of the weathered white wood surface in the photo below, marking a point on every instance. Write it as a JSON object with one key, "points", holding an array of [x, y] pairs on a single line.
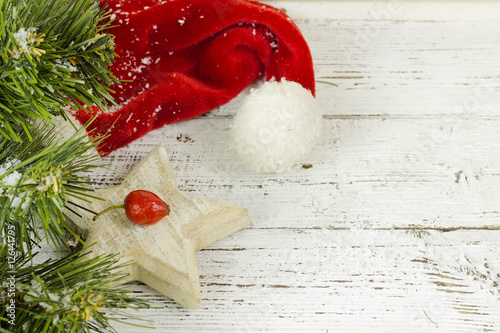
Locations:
{"points": [[165, 251], [396, 228]]}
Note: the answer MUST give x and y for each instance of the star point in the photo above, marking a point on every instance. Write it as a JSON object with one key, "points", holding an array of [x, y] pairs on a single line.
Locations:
{"points": [[164, 252]]}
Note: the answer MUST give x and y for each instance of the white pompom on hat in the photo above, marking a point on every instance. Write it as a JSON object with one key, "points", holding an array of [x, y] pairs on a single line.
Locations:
{"points": [[276, 126]]}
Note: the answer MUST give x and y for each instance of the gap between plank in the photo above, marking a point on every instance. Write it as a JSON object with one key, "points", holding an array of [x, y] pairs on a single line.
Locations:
{"points": [[475, 11]]}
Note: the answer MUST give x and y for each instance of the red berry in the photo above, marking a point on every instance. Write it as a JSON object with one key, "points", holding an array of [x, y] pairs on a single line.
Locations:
{"points": [[145, 207]]}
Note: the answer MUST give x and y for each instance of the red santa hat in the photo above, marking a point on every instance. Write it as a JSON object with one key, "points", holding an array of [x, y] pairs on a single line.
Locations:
{"points": [[185, 58]]}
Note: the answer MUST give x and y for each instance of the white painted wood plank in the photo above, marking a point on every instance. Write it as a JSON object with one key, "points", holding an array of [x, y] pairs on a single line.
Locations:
{"points": [[370, 281], [412, 10], [313, 259], [368, 173], [356, 243], [403, 68]]}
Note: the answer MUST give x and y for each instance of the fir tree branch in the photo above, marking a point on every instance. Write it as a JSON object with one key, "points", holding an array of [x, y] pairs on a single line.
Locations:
{"points": [[71, 294], [38, 178], [53, 54]]}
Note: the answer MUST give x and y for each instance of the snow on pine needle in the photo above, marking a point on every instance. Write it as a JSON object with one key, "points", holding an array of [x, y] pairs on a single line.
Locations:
{"points": [[53, 54], [70, 294], [40, 179]]}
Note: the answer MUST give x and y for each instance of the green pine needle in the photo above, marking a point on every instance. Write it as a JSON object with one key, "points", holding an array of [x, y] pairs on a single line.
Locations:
{"points": [[39, 178], [71, 294], [53, 54]]}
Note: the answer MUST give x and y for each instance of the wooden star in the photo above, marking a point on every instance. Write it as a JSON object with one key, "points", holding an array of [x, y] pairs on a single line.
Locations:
{"points": [[165, 251]]}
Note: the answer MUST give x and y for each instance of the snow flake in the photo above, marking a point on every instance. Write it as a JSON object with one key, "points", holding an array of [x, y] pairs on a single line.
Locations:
{"points": [[138, 69], [21, 37], [12, 178], [10, 163], [25, 39]]}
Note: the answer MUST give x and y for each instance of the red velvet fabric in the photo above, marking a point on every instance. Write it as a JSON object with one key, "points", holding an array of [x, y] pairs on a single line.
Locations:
{"points": [[188, 57]]}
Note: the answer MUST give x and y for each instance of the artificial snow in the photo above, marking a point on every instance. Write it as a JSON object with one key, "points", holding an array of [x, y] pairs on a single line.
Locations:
{"points": [[13, 177], [23, 40], [7, 165], [129, 117], [276, 126], [9, 181], [21, 37], [65, 64], [138, 69]]}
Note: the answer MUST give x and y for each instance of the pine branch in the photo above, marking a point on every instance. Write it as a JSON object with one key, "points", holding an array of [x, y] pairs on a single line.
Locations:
{"points": [[53, 54], [63, 295], [38, 178]]}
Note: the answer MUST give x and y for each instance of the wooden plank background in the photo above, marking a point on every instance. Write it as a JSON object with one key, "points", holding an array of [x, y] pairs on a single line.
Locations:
{"points": [[396, 228]]}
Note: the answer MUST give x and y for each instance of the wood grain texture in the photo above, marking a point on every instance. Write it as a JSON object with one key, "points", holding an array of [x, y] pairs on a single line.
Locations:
{"points": [[404, 69], [164, 251], [413, 10], [395, 228], [397, 216]]}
